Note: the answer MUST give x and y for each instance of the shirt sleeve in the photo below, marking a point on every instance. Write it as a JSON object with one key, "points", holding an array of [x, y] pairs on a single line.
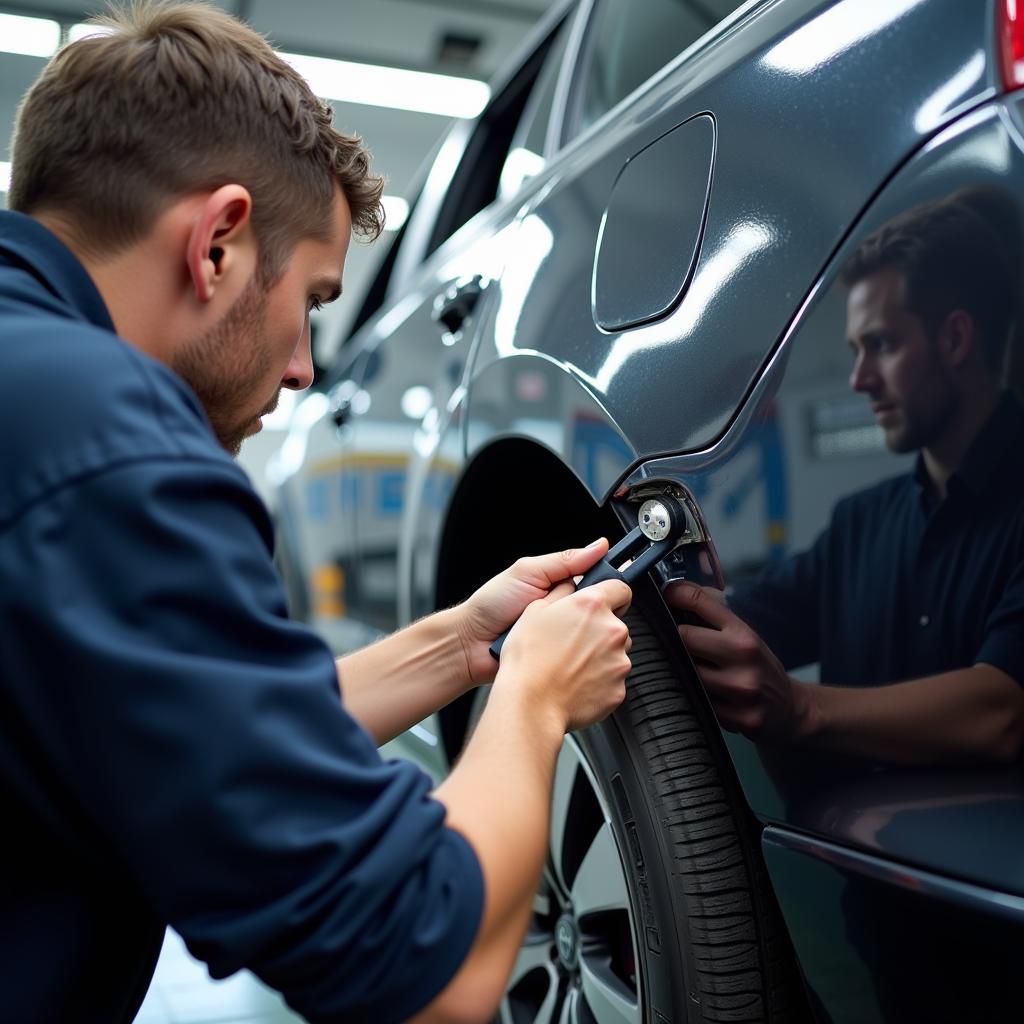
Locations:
{"points": [[783, 606], [1003, 646], [150, 656]]}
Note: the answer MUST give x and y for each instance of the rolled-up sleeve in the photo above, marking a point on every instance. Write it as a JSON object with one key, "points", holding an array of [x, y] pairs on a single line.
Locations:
{"points": [[201, 734]]}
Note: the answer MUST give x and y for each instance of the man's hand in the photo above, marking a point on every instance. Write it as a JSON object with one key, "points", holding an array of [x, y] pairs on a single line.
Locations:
{"points": [[749, 689], [569, 653], [499, 602]]}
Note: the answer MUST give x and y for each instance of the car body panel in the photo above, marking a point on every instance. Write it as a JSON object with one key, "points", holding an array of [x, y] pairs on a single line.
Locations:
{"points": [[803, 791], [880, 941], [768, 234], [829, 120]]}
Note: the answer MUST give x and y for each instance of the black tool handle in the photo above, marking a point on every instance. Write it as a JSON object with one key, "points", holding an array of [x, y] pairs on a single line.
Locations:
{"points": [[606, 569]]}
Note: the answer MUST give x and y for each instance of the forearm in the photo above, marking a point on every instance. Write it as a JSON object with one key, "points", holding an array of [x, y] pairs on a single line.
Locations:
{"points": [[400, 680], [499, 798], [969, 715]]}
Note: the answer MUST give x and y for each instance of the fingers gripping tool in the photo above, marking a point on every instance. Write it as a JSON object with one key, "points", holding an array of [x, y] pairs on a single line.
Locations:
{"points": [[661, 522]]}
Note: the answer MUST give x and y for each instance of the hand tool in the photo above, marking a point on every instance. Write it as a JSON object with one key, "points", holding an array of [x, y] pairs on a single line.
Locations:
{"points": [[661, 522]]}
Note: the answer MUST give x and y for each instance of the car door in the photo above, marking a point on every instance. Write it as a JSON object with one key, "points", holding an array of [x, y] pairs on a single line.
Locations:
{"points": [[417, 349]]}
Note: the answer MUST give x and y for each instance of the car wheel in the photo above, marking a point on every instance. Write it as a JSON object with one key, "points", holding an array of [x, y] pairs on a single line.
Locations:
{"points": [[654, 905]]}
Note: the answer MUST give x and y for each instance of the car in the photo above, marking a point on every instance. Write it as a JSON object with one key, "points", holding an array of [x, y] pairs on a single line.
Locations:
{"points": [[625, 281]]}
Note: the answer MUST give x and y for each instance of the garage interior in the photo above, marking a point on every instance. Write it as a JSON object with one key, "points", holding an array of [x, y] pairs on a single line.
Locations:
{"points": [[697, 255]]}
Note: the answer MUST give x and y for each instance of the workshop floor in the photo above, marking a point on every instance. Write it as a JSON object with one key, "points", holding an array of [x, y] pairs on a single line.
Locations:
{"points": [[183, 993]]}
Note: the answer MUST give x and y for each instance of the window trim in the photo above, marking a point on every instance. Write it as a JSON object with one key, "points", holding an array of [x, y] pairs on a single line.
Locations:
{"points": [[568, 88], [434, 201]]}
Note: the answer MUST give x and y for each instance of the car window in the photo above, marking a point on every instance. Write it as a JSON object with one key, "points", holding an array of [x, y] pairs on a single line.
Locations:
{"points": [[521, 111], [528, 152], [629, 42], [475, 183]]}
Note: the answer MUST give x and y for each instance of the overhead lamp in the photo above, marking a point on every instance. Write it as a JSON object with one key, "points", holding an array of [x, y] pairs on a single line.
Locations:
{"points": [[376, 86], [32, 37], [84, 29]]}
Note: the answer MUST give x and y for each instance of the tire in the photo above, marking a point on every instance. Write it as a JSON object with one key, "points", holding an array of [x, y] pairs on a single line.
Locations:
{"points": [[654, 906]]}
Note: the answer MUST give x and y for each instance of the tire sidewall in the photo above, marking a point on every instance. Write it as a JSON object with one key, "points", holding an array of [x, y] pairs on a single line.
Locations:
{"points": [[664, 962]]}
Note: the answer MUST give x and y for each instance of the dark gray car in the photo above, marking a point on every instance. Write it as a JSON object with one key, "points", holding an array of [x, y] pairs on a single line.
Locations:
{"points": [[630, 277]]}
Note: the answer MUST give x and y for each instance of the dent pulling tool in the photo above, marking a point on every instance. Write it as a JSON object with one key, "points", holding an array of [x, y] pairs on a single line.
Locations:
{"points": [[661, 522]]}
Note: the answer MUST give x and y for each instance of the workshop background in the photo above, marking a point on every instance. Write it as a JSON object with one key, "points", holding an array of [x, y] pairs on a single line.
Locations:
{"points": [[464, 42]]}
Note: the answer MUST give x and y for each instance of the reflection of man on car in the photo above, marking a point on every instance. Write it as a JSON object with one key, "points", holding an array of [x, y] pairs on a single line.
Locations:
{"points": [[917, 582]]}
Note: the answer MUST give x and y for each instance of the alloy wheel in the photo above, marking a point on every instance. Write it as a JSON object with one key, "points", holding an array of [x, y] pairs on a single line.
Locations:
{"points": [[578, 963]]}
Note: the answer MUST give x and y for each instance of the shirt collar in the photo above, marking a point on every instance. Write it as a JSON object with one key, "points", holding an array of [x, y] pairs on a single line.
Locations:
{"points": [[25, 242], [927, 497], [983, 468], [981, 471]]}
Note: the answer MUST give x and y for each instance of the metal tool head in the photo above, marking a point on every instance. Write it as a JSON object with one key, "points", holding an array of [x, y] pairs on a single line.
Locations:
{"points": [[660, 518]]}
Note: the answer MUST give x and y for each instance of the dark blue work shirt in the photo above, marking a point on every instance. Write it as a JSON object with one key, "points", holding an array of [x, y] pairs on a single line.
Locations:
{"points": [[899, 586], [172, 747]]}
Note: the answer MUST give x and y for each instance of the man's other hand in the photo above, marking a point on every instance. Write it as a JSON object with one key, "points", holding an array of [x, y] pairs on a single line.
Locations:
{"points": [[750, 690], [499, 602]]}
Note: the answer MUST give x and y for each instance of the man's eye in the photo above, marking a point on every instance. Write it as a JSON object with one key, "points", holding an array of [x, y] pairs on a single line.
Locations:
{"points": [[315, 303]]}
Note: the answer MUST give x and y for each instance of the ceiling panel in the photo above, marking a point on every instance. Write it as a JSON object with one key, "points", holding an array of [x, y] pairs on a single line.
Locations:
{"points": [[405, 33]]}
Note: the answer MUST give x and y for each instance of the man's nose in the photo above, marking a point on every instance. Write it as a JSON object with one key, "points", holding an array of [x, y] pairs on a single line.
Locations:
{"points": [[862, 376], [298, 374]]}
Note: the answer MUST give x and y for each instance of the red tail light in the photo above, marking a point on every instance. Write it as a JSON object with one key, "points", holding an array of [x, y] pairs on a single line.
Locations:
{"points": [[1011, 42]]}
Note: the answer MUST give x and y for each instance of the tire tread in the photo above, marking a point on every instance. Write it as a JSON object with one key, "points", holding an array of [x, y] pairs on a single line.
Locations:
{"points": [[741, 956]]}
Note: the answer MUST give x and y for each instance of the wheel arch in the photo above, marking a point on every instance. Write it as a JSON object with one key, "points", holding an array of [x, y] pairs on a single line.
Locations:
{"points": [[531, 503]]}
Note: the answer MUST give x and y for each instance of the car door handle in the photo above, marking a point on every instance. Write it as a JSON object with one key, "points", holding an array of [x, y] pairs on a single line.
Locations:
{"points": [[339, 400], [454, 305], [340, 413]]}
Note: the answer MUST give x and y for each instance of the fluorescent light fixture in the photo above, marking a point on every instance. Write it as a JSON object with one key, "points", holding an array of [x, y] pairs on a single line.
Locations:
{"points": [[396, 210], [5, 176], [33, 37], [377, 86], [83, 30]]}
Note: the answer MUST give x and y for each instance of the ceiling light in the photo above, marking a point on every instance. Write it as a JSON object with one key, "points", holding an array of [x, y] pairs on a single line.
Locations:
{"points": [[33, 37], [377, 86], [396, 210], [84, 29]]}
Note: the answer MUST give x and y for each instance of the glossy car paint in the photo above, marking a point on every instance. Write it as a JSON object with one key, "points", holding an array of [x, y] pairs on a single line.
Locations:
{"points": [[981, 148], [829, 119], [783, 195], [881, 941]]}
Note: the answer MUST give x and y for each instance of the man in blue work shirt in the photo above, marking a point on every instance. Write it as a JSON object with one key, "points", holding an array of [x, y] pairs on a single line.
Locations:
{"points": [[912, 599], [172, 747]]}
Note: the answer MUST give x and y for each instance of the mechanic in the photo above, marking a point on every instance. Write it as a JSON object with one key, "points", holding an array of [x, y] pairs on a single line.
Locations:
{"points": [[173, 749], [912, 599]]}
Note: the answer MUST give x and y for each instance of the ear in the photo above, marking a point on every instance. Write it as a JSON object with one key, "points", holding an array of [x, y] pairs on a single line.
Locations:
{"points": [[220, 234], [958, 338]]}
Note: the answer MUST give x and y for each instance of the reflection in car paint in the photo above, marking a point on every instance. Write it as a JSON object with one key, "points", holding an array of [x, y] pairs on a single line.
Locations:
{"points": [[740, 396]]}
